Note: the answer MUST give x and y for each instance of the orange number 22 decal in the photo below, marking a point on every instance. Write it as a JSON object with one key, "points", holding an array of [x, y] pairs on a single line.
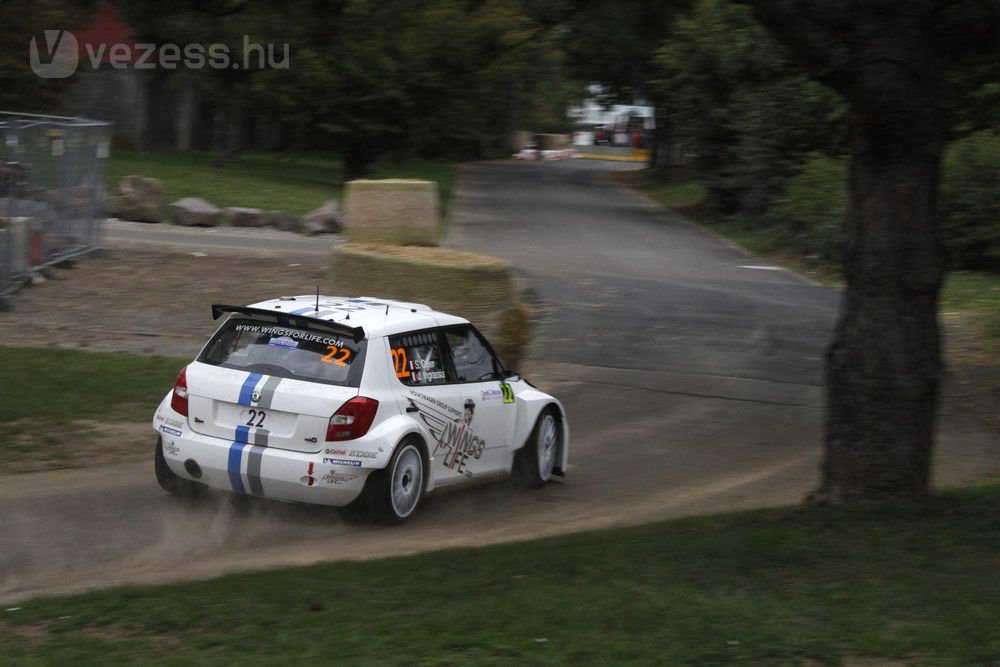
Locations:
{"points": [[399, 361], [333, 358]]}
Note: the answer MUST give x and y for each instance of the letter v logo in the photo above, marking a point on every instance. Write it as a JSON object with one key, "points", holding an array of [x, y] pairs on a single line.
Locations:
{"points": [[59, 58]]}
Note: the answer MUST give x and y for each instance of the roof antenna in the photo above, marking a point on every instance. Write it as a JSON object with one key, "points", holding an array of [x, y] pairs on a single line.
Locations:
{"points": [[317, 298]]}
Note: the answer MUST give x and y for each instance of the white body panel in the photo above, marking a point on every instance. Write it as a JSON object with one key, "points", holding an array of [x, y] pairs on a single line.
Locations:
{"points": [[286, 457]]}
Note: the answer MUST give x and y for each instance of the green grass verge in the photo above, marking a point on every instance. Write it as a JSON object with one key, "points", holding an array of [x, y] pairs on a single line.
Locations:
{"points": [[975, 300], [910, 583], [678, 189], [45, 391], [293, 183]]}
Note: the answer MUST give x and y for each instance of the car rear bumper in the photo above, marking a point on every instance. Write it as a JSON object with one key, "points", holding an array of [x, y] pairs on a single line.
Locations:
{"points": [[249, 469]]}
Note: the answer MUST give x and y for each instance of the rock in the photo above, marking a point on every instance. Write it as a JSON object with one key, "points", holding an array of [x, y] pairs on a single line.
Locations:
{"points": [[141, 199], [246, 217], [327, 219], [195, 211], [285, 221]]}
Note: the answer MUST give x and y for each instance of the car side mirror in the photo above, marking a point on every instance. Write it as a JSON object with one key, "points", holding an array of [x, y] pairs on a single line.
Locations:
{"points": [[510, 375]]}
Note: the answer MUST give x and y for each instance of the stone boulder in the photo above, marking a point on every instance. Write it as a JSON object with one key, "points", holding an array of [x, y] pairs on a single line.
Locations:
{"points": [[141, 199], [327, 219], [195, 211], [247, 217], [285, 221]]}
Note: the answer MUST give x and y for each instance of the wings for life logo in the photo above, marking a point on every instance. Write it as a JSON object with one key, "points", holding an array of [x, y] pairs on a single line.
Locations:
{"points": [[56, 56], [458, 442]]}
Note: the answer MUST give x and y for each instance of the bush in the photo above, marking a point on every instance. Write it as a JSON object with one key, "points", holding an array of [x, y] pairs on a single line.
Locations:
{"points": [[812, 213], [970, 202]]}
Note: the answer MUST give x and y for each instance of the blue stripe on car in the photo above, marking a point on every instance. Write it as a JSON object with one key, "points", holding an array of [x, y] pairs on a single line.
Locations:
{"points": [[302, 311], [246, 391], [235, 460]]}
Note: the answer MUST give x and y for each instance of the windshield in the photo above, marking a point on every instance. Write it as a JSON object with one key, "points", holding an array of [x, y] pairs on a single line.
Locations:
{"points": [[313, 355]]}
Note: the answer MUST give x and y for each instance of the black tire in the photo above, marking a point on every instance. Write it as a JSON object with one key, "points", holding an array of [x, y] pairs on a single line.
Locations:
{"points": [[391, 495], [536, 460], [170, 482]]}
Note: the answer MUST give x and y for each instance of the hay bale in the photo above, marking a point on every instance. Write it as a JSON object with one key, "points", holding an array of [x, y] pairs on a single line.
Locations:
{"points": [[392, 211], [478, 287], [552, 142], [520, 139], [512, 336]]}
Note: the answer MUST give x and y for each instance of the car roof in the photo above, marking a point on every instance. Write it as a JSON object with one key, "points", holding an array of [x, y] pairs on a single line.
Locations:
{"points": [[378, 317]]}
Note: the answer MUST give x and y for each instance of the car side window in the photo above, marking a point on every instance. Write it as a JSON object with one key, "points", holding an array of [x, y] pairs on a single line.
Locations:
{"points": [[417, 359], [472, 358]]}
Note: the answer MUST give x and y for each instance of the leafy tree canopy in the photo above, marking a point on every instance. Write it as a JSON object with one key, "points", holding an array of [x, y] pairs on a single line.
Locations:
{"points": [[20, 88], [738, 101], [439, 78]]}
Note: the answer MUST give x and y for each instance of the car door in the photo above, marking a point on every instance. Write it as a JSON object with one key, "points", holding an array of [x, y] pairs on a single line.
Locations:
{"points": [[488, 413], [467, 431], [424, 392]]}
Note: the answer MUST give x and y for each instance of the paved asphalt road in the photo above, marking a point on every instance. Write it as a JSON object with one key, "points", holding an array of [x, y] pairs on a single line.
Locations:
{"points": [[626, 284], [689, 369]]}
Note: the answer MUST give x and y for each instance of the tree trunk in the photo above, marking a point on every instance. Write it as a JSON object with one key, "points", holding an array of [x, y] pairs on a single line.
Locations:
{"points": [[894, 63], [883, 366], [659, 155], [219, 134], [357, 159]]}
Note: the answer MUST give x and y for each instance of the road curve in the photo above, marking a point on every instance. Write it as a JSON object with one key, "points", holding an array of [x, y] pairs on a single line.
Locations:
{"points": [[690, 372]]}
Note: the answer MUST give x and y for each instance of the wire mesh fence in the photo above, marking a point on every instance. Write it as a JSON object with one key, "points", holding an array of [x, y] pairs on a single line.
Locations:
{"points": [[52, 191]]}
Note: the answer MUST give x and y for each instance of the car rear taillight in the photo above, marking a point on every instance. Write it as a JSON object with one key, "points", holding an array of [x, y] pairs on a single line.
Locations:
{"points": [[352, 420], [179, 402]]}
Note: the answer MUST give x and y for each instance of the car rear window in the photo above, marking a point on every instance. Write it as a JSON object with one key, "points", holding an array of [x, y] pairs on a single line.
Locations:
{"points": [[314, 355]]}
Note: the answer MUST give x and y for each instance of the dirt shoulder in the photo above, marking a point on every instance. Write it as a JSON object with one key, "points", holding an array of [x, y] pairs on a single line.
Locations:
{"points": [[153, 301]]}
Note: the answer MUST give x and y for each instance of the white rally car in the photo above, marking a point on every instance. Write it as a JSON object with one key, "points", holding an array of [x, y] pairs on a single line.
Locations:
{"points": [[339, 401]]}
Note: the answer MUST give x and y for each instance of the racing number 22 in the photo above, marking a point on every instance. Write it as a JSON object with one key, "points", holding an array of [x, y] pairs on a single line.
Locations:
{"points": [[399, 361], [338, 356]]}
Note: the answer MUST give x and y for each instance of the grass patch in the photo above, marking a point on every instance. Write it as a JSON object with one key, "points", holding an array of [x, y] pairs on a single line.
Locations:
{"points": [[903, 582], [975, 299], [972, 301], [678, 189], [47, 392], [288, 182]]}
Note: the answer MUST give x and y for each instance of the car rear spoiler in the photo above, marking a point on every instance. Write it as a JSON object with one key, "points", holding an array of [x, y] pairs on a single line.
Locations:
{"points": [[285, 319]]}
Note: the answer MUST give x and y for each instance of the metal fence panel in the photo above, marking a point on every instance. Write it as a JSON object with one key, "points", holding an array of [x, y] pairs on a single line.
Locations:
{"points": [[52, 193]]}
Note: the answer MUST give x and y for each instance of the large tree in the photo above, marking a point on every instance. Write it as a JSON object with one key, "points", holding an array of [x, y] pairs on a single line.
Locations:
{"points": [[895, 63], [20, 88], [743, 107]]}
